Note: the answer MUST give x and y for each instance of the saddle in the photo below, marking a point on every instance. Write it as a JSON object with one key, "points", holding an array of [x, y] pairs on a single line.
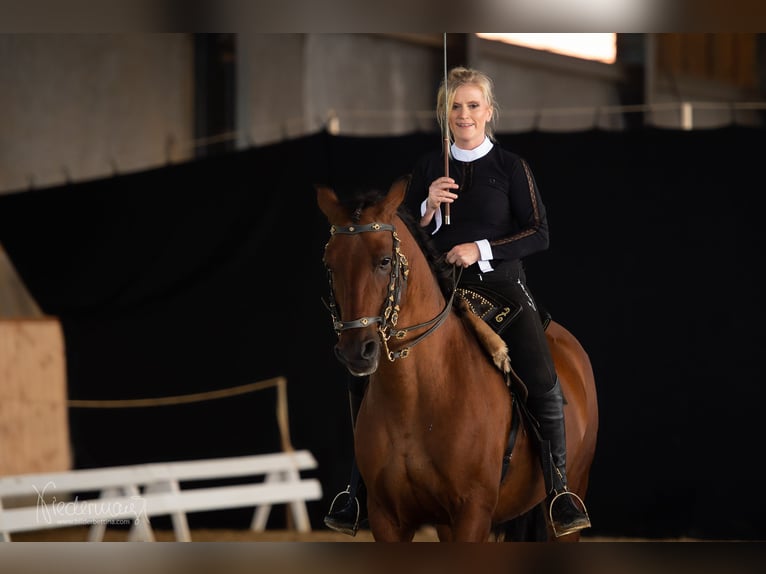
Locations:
{"points": [[493, 308], [490, 313], [490, 306]]}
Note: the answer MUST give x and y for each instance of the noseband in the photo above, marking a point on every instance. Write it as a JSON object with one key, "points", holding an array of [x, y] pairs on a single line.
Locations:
{"points": [[390, 309]]}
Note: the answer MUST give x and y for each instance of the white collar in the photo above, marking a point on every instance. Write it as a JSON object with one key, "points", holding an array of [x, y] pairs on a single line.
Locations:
{"points": [[472, 154]]}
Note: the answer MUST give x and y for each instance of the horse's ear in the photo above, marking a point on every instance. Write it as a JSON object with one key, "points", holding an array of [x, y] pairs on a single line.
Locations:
{"points": [[396, 193], [328, 201]]}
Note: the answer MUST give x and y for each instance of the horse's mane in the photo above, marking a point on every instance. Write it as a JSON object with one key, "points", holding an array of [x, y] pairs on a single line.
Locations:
{"points": [[362, 198], [436, 260]]}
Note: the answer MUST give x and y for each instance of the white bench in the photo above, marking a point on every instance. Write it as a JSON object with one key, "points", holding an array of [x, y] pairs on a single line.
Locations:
{"points": [[138, 492]]}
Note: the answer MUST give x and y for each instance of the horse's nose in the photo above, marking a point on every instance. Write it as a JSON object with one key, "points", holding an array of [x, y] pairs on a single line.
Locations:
{"points": [[369, 349], [360, 356]]}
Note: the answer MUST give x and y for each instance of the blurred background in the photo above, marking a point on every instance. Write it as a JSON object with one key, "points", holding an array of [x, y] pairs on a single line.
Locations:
{"points": [[159, 236]]}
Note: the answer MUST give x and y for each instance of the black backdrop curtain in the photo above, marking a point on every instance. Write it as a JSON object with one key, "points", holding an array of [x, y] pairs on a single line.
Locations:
{"points": [[208, 275]]}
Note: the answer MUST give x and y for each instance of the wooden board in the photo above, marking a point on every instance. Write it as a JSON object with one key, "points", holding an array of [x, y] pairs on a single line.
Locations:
{"points": [[34, 425]]}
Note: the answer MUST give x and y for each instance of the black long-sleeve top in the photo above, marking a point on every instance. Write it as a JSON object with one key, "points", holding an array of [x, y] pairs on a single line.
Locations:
{"points": [[498, 200]]}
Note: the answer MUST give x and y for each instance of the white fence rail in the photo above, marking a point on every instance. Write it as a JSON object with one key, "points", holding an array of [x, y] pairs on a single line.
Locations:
{"points": [[135, 493]]}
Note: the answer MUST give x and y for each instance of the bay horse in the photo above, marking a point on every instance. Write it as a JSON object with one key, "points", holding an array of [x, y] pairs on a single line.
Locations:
{"points": [[433, 428]]}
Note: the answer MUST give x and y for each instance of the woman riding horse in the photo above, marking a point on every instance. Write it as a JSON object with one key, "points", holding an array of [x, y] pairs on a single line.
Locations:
{"points": [[493, 218]]}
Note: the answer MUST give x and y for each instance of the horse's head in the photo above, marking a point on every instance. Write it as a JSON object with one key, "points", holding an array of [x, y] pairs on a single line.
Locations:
{"points": [[366, 271]]}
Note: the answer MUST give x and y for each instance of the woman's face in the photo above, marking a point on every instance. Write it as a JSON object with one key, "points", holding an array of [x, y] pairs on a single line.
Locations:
{"points": [[469, 114]]}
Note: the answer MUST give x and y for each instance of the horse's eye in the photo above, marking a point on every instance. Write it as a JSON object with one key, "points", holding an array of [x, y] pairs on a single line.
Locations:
{"points": [[385, 262]]}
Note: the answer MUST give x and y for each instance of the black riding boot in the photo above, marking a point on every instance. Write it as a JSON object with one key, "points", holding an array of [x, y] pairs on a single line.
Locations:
{"points": [[566, 511], [350, 502]]}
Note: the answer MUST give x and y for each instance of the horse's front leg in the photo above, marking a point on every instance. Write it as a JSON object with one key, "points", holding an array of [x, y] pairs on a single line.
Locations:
{"points": [[472, 524], [385, 528]]}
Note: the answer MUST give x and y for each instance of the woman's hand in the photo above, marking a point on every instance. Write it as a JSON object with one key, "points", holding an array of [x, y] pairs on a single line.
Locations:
{"points": [[464, 254], [439, 192]]}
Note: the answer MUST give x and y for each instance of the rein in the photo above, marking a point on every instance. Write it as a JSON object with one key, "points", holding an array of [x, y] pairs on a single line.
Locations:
{"points": [[390, 310]]}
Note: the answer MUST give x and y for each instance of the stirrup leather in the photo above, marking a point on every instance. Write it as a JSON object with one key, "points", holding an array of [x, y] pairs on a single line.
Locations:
{"points": [[581, 505]]}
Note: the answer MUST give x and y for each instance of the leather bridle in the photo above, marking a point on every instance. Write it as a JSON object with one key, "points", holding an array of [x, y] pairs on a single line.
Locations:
{"points": [[389, 314]]}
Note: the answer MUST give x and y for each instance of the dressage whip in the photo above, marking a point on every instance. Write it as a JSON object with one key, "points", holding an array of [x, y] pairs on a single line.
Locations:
{"points": [[446, 131]]}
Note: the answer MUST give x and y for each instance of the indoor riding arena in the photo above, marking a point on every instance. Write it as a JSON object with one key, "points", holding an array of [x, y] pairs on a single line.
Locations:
{"points": [[167, 370]]}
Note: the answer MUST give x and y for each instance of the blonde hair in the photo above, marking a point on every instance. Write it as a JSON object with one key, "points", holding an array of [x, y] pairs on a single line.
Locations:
{"points": [[461, 76]]}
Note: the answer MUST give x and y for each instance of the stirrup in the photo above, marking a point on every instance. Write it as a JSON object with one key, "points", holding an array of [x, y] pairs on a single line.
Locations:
{"points": [[576, 526], [343, 527]]}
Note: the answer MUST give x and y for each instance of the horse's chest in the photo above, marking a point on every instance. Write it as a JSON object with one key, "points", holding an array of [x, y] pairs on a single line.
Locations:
{"points": [[417, 465], [410, 456], [415, 484]]}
